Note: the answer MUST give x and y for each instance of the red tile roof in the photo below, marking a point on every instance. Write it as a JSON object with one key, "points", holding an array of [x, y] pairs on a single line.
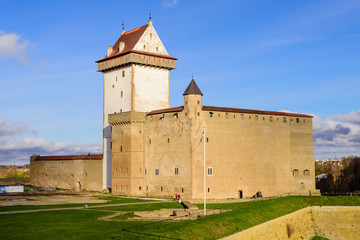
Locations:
{"points": [[234, 110], [130, 39], [239, 110], [70, 157], [166, 110]]}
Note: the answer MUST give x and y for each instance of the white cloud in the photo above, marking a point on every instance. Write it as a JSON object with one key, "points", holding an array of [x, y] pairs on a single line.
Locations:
{"points": [[169, 3], [19, 150], [337, 135], [11, 46], [10, 129], [14, 148]]}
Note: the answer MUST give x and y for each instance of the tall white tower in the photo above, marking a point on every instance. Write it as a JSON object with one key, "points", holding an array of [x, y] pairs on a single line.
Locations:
{"points": [[136, 74]]}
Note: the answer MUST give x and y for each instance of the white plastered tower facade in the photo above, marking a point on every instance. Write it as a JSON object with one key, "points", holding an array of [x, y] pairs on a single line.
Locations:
{"points": [[136, 78]]}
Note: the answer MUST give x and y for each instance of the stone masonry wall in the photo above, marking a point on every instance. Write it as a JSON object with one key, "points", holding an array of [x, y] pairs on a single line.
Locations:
{"points": [[335, 223], [67, 174]]}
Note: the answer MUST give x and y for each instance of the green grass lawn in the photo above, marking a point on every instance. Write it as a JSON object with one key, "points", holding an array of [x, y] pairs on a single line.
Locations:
{"points": [[145, 207], [319, 238], [111, 199], [84, 224], [67, 224]]}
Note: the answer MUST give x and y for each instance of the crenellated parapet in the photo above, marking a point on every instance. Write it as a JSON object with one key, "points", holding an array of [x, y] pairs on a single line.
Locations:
{"points": [[134, 57], [125, 118]]}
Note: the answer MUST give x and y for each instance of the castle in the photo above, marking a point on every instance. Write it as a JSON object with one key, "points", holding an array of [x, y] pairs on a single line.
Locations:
{"points": [[150, 149]]}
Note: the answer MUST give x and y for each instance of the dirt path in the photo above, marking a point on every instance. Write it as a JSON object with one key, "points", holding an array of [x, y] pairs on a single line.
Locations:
{"points": [[109, 217], [78, 208]]}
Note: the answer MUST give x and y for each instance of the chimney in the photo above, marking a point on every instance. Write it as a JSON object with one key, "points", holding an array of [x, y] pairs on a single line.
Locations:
{"points": [[123, 32], [109, 50], [150, 22]]}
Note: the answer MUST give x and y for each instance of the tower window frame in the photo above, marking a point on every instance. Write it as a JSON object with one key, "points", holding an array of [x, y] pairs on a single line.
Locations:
{"points": [[209, 171]]}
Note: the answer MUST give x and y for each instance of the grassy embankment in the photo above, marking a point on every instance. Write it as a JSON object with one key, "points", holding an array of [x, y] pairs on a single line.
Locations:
{"points": [[84, 224], [246, 215]]}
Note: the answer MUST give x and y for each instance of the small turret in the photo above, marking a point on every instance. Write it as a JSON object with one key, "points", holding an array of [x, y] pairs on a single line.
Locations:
{"points": [[192, 100]]}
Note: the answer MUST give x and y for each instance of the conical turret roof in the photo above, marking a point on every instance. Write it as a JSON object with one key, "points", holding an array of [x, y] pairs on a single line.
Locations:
{"points": [[192, 89]]}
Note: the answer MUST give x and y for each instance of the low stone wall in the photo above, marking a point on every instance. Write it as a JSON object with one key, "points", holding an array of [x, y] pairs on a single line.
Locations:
{"points": [[335, 223], [14, 181]]}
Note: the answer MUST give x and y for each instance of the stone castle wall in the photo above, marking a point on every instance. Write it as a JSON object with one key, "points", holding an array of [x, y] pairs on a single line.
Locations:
{"points": [[246, 153], [254, 152], [167, 150], [77, 175]]}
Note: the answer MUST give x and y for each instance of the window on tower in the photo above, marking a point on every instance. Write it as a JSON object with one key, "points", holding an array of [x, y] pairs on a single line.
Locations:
{"points": [[210, 171], [123, 73]]}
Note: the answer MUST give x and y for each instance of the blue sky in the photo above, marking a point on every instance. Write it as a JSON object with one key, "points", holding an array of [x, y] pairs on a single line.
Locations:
{"points": [[298, 56]]}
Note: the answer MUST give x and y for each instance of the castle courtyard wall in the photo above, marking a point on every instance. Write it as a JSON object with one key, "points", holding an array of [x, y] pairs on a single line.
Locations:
{"points": [[167, 139], [73, 174], [255, 152]]}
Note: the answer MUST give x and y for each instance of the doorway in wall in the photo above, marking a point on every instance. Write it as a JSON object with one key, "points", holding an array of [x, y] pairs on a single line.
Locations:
{"points": [[240, 194], [79, 186]]}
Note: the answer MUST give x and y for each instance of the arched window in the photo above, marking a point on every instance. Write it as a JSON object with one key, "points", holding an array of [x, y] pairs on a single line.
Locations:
{"points": [[306, 172], [295, 172]]}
